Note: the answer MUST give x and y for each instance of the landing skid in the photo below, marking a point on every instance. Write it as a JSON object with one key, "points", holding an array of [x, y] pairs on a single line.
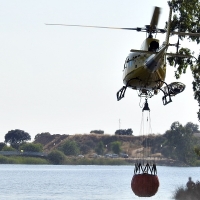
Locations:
{"points": [[167, 97], [121, 92], [168, 90], [171, 89]]}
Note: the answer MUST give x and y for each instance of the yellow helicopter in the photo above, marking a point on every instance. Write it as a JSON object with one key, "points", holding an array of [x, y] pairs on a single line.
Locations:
{"points": [[145, 69]]}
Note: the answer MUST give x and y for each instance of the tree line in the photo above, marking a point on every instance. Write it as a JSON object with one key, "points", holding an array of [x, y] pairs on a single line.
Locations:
{"points": [[178, 143], [18, 140]]}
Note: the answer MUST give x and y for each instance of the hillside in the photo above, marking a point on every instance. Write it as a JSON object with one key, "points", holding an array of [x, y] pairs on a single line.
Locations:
{"points": [[50, 142], [129, 144]]}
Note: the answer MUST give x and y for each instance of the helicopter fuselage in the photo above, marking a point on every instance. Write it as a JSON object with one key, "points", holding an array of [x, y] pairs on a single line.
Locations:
{"points": [[144, 70]]}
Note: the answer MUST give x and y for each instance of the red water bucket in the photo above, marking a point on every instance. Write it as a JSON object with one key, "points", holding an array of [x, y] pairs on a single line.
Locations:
{"points": [[145, 185]]}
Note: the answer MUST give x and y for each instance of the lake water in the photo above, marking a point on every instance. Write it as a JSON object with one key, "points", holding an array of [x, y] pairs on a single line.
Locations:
{"points": [[84, 182]]}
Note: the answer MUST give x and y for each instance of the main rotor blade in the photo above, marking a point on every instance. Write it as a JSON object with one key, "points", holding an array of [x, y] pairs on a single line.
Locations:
{"points": [[155, 17], [185, 34], [94, 26]]}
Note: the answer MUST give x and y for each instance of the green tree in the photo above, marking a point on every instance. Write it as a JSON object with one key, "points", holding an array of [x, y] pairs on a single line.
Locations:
{"points": [[70, 148], [116, 147], [128, 131], [193, 128], [100, 148], [16, 137], [180, 143], [31, 147], [186, 18], [56, 157]]}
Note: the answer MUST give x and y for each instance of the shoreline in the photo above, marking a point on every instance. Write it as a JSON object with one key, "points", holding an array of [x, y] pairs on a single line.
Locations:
{"points": [[90, 161]]}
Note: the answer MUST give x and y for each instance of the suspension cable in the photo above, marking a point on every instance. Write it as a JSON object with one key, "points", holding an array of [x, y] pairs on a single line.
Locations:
{"points": [[145, 130]]}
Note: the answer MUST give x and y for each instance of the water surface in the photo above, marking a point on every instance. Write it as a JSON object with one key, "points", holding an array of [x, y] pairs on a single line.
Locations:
{"points": [[84, 182]]}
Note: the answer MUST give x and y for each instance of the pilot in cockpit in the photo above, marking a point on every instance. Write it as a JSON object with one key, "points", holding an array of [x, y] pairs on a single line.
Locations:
{"points": [[153, 46]]}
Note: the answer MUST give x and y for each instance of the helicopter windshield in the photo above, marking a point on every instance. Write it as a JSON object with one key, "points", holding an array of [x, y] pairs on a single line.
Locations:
{"points": [[154, 46], [150, 44]]}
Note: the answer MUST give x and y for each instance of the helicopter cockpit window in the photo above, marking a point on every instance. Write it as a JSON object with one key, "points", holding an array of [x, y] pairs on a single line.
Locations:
{"points": [[130, 63], [126, 63], [154, 46]]}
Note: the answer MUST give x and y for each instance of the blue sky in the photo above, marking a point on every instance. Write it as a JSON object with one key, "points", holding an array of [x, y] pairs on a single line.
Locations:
{"points": [[64, 80]]}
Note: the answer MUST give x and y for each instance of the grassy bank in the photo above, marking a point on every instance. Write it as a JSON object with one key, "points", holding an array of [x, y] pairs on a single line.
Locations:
{"points": [[79, 161], [22, 160], [66, 161]]}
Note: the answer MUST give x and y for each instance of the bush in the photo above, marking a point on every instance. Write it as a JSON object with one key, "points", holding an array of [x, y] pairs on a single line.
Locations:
{"points": [[8, 148], [31, 147], [183, 193], [97, 131], [116, 147], [56, 157], [100, 148], [70, 148]]}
